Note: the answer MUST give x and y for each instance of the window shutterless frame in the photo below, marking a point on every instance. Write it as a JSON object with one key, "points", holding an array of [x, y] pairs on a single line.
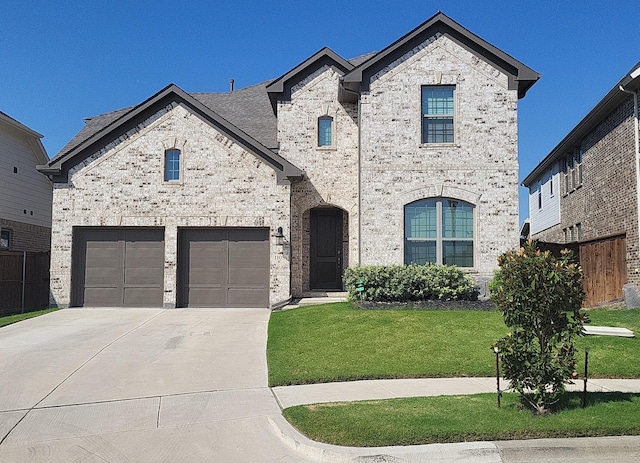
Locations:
{"points": [[438, 111], [5, 238], [172, 165], [439, 230], [325, 131]]}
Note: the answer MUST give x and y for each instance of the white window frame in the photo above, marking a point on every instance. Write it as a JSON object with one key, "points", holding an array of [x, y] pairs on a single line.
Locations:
{"points": [[432, 116]]}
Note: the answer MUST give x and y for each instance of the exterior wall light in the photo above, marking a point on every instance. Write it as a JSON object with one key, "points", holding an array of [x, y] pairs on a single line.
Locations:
{"points": [[279, 236]]}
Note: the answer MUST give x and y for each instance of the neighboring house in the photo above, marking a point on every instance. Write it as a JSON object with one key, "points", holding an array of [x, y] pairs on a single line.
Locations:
{"points": [[586, 190], [25, 194], [250, 197]]}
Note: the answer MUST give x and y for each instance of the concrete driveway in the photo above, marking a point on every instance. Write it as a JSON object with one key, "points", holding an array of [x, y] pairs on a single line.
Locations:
{"points": [[138, 385]]}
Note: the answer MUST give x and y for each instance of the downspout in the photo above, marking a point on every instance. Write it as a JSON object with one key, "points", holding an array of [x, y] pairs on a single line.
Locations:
{"points": [[637, 154], [353, 92]]}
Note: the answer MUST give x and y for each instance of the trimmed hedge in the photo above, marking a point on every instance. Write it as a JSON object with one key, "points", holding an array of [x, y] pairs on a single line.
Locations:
{"points": [[401, 283]]}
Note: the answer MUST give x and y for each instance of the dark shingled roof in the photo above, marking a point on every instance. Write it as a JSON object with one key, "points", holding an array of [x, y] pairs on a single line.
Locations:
{"points": [[249, 109]]}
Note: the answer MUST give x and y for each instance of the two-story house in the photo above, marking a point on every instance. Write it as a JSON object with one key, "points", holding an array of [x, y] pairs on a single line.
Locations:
{"points": [[25, 194], [586, 191], [247, 198]]}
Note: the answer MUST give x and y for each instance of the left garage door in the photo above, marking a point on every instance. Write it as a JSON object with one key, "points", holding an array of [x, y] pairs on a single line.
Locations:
{"points": [[118, 267]]}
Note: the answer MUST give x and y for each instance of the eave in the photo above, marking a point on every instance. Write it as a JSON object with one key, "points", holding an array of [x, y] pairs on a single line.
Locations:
{"points": [[58, 168], [609, 102]]}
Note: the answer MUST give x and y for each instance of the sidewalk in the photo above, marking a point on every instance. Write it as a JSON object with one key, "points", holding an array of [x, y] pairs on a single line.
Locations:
{"points": [[289, 396], [618, 449]]}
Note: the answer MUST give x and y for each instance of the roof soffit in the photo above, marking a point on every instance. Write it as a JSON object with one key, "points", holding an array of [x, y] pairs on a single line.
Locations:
{"points": [[281, 87], [59, 167], [600, 111], [520, 76]]}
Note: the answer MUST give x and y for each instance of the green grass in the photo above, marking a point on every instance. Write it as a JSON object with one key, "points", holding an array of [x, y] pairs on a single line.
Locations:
{"points": [[9, 319], [335, 342], [425, 420]]}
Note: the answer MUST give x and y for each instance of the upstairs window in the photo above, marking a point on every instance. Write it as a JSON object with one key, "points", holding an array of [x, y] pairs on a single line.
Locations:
{"points": [[325, 131], [572, 171], [172, 165], [439, 230], [437, 114]]}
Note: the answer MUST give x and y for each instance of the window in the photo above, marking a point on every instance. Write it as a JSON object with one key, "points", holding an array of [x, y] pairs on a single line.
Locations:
{"points": [[5, 238], [572, 171], [540, 197], [437, 114], [439, 230], [579, 231], [172, 165], [566, 235], [325, 131]]}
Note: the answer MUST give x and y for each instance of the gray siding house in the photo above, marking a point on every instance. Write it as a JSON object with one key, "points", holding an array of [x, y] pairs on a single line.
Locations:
{"points": [[25, 194], [251, 197], [586, 192]]}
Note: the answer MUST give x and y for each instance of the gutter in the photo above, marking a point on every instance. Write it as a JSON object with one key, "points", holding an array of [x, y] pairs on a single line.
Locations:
{"points": [[636, 131]]}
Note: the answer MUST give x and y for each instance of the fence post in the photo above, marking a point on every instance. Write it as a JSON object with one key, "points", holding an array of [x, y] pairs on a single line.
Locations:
{"points": [[24, 277]]}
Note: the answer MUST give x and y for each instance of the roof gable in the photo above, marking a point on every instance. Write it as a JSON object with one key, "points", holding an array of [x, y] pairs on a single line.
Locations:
{"points": [[119, 122], [324, 57], [33, 137], [520, 76]]}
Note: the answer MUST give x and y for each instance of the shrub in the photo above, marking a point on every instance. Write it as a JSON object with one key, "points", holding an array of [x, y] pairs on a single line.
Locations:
{"points": [[401, 283], [540, 299]]}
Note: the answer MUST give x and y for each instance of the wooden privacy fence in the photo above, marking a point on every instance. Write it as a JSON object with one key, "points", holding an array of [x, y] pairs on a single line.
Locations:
{"points": [[604, 265], [24, 281]]}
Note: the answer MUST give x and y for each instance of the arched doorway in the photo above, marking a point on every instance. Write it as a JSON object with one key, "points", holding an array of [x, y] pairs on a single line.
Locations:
{"points": [[326, 258]]}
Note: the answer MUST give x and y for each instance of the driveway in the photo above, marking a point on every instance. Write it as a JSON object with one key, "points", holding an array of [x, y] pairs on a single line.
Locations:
{"points": [[138, 385]]}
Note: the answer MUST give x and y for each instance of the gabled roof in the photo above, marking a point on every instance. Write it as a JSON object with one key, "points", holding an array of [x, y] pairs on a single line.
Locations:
{"points": [[109, 127], [34, 137], [520, 76], [324, 57], [613, 99]]}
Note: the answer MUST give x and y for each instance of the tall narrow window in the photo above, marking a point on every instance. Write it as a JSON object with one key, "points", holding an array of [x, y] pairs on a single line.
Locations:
{"points": [[439, 231], [437, 114], [172, 165], [325, 131], [5, 238]]}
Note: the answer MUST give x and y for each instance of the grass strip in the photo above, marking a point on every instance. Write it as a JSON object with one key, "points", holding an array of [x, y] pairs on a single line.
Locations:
{"points": [[336, 342], [9, 319], [442, 419]]}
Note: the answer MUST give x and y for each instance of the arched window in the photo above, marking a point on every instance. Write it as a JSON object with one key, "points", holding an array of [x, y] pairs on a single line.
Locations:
{"points": [[439, 230], [325, 131], [172, 165]]}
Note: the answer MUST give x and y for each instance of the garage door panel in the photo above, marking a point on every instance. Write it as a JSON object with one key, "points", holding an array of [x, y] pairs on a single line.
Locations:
{"points": [[142, 297], [119, 267], [207, 297], [248, 297], [224, 267], [103, 297]]}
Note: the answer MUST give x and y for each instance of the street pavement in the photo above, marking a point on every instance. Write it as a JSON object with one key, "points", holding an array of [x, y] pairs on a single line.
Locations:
{"points": [[190, 385]]}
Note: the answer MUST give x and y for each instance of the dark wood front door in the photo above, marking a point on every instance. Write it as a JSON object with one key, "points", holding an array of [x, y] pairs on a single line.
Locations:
{"points": [[326, 249]]}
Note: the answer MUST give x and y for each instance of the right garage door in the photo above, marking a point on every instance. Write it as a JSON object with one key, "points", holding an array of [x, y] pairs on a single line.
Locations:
{"points": [[223, 267]]}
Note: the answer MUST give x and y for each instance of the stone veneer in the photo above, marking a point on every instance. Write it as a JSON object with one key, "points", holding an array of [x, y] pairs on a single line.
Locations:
{"points": [[480, 167], [605, 204], [123, 185], [331, 173]]}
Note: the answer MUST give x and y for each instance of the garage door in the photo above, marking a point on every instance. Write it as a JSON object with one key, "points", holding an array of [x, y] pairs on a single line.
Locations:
{"points": [[118, 267], [223, 267]]}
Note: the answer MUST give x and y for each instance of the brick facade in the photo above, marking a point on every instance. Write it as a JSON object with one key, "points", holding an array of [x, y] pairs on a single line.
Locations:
{"points": [[27, 237], [122, 185], [605, 204]]}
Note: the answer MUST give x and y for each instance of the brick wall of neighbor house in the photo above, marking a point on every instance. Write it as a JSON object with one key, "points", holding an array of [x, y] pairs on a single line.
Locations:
{"points": [[123, 185], [26, 236], [331, 174], [480, 168], [605, 204]]}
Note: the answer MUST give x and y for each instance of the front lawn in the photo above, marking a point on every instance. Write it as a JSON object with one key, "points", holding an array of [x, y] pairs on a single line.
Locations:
{"points": [[425, 420], [335, 342], [9, 319]]}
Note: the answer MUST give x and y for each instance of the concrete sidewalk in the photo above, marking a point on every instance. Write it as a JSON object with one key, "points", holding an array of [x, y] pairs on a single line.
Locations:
{"points": [[289, 396], [615, 449]]}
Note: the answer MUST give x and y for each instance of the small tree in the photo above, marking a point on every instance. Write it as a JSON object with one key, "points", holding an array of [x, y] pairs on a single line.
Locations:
{"points": [[540, 299]]}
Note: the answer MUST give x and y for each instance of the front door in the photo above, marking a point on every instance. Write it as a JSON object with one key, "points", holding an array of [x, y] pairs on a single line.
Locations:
{"points": [[326, 249]]}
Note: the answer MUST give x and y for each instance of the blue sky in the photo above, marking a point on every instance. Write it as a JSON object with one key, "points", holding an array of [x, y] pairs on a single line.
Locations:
{"points": [[64, 61]]}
